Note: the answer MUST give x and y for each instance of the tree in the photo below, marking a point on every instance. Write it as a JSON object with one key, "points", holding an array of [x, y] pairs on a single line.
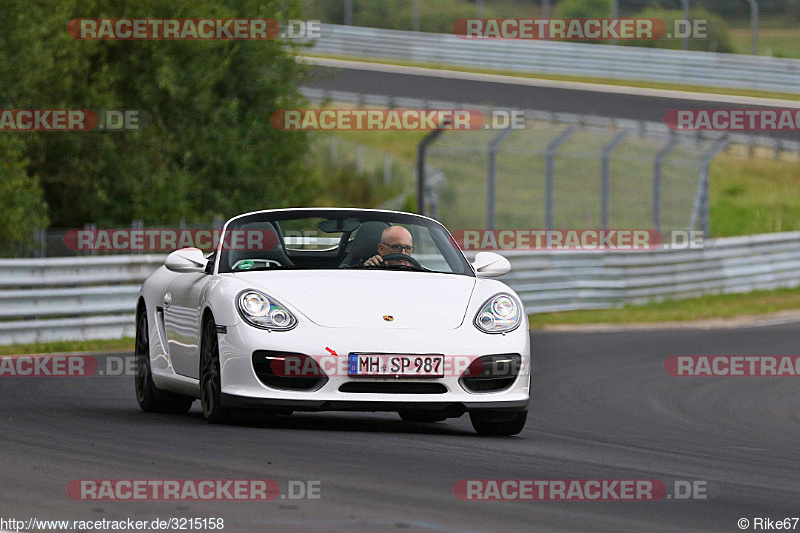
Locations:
{"points": [[22, 206], [210, 150]]}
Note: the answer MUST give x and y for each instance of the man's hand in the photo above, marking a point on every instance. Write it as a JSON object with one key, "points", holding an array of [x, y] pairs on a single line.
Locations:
{"points": [[374, 261]]}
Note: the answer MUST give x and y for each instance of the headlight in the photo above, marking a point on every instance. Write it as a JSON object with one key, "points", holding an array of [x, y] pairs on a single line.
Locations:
{"points": [[499, 314], [261, 311]]}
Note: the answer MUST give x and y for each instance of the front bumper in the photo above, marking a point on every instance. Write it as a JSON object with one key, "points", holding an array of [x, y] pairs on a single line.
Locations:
{"points": [[241, 387], [453, 408]]}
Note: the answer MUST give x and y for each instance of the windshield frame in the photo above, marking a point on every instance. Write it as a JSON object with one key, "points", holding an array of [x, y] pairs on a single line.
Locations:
{"points": [[437, 232]]}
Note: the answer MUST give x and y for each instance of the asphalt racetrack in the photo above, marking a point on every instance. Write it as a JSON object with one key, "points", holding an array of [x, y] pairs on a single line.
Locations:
{"points": [[603, 407], [553, 99]]}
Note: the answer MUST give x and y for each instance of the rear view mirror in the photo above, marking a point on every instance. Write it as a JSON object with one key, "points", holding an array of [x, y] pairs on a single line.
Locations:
{"points": [[490, 265], [347, 225], [186, 260]]}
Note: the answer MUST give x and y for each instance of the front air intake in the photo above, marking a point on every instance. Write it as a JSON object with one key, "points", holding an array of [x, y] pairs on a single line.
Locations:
{"points": [[288, 371], [491, 373]]}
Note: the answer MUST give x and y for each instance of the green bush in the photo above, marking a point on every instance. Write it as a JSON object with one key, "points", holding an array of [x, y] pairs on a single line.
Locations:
{"points": [[22, 206], [717, 40], [583, 9], [210, 150], [343, 186]]}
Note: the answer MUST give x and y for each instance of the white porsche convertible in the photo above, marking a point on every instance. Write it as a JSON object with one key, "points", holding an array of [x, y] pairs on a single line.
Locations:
{"points": [[334, 309]]}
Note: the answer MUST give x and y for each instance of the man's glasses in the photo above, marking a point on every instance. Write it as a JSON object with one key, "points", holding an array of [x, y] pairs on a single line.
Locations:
{"points": [[399, 248]]}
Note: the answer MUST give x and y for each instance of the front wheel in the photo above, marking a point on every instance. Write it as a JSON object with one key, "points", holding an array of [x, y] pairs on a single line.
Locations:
{"points": [[502, 424], [152, 399], [210, 377]]}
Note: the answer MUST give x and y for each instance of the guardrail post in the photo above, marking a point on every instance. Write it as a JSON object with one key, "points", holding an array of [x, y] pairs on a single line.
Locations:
{"points": [[657, 165], [606, 177], [552, 149], [491, 214]]}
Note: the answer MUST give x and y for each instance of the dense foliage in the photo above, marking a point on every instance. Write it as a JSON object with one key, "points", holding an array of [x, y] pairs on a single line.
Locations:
{"points": [[210, 150]]}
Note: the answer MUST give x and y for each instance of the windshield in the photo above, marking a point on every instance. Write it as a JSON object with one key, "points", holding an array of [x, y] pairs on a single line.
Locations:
{"points": [[334, 239]]}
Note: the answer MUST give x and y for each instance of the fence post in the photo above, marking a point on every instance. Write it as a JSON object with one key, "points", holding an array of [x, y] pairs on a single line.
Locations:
{"points": [[606, 177], [43, 242], [491, 214], [334, 155], [552, 149], [421, 148], [701, 208], [685, 14], [657, 165], [139, 225], [93, 228], [359, 158], [348, 12], [387, 169]]}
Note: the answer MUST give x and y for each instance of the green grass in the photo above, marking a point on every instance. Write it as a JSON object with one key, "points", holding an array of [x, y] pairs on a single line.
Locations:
{"points": [[126, 343], [400, 143], [580, 79], [704, 308], [752, 196], [780, 42]]}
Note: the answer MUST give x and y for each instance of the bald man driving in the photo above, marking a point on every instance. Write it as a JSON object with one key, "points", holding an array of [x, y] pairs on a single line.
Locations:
{"points": [[394, 240]]}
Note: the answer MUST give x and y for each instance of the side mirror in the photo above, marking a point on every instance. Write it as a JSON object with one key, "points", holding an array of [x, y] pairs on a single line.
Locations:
{"points": [[490, 265], [186, 260]]}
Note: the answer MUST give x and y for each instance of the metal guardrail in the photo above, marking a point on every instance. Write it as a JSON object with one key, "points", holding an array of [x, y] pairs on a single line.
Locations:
{"points": [[76, 298], [70, 299], [568, 280], [577, 59]]}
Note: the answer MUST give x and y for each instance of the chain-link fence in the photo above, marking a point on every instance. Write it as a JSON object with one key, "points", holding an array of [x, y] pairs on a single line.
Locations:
{"points": [[567, 175], [567, 171]]}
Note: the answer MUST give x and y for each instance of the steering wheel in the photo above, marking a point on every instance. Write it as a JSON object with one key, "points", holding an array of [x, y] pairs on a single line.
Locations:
{"points": [[402, 257]]}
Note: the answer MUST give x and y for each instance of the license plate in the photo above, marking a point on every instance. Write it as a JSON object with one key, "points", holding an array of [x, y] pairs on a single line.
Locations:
{"points": [[376, 365]]}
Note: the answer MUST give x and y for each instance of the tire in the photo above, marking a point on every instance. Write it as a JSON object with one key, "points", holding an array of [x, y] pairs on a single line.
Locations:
{"points": [[501, 424], [210, 377], [152, 399], [421, 415]]}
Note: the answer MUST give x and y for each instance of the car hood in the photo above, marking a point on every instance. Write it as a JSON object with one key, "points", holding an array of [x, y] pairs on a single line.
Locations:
{"points": [[362, 298]]}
